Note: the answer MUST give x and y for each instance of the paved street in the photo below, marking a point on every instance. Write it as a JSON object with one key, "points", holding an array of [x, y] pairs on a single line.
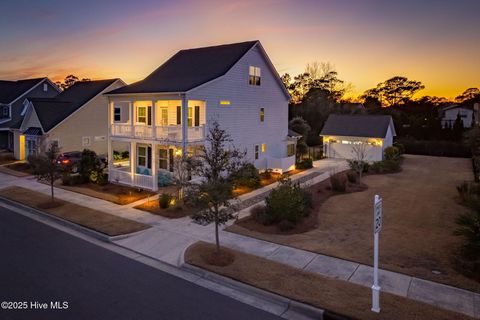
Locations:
{"points": [[43, 264]]}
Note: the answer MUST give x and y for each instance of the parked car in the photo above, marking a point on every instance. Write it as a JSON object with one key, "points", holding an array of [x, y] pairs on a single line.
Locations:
{"points": [[72, 159]]}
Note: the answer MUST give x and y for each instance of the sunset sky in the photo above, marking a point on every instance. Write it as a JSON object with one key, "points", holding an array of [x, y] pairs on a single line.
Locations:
{"points": [[368, 41]]}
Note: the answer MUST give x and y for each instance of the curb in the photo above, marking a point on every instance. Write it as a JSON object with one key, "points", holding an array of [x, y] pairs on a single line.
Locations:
{"points": [[291, 309], [42, 214]]}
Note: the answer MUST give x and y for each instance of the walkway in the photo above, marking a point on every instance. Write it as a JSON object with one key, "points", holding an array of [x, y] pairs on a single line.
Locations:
{"points": [[169, 238]]}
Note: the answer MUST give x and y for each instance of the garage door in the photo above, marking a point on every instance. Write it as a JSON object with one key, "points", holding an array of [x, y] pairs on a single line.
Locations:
{"points": [[346, 151]]}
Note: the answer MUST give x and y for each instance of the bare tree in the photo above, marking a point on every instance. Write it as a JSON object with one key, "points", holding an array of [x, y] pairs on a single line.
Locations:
{"points": [[359, 161], [215, 164], [181, 173], [45, 166]]}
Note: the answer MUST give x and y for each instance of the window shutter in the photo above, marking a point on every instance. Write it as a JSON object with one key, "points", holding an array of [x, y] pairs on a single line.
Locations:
{"points": [[149, 116], [179, 115], [149, 157], [197, 116]]}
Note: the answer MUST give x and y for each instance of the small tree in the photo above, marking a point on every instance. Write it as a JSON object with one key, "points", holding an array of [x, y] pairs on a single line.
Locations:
{"points": [[45, 166], [214, 165], [181, 173], [359, 163]]}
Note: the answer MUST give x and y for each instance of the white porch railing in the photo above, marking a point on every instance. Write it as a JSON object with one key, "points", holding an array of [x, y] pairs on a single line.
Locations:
{"points": [[169, 133], [143, 181], [120, 176], [121, 130], [196, 133], [143, 132]]}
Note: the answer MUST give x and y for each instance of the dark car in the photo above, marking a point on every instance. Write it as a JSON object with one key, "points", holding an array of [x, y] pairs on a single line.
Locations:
{"points": [[72, 160]]}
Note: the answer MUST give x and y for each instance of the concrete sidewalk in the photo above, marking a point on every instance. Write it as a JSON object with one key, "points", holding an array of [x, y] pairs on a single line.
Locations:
{"points": [[169, 238]]}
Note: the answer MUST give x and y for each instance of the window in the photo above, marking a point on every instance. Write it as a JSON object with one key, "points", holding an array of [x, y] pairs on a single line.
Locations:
{"points": [[142, 156], [117, 114], [5, 112], [144, 115], [164, 116], [264, 148], [45, 87], [290, 150], [85, 141], [256, 152], [254, 76], [163, 159], [262, 114]]}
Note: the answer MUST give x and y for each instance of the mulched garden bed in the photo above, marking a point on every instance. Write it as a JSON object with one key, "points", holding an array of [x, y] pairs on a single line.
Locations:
{"points": [[320, 193]]}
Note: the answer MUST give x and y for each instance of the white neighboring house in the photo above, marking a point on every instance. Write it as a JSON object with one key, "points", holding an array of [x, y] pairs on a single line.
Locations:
{"points": [[467, 115], [168, 113], [341, 133]]}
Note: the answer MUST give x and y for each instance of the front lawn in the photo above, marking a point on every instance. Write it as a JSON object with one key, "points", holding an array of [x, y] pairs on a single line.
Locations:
{"points": [[115, 193], [336, 296], [419, 210], [19, 169], [103, 222]]}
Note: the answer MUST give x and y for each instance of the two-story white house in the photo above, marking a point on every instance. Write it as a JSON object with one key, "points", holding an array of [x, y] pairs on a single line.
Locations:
{"points": [[468, 115], [168, 113]]}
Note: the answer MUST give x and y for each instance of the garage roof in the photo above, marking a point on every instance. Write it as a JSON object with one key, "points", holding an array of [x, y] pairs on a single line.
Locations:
{"points": [[371, 126]]}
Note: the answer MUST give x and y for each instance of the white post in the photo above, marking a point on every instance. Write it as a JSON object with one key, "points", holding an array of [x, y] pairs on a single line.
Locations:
{"points": [[184, 123], [154, 120], [154, 167], [377, 226], [132, 118], [133, 161]]}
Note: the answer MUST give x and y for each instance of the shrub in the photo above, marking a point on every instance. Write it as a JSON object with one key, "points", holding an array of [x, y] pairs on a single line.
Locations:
{"points": [[102, 179], [385, 166], [306, 163], [90, 165], [164, 200], [117, 155], [469, 228], [288, 202], [125, 154], [352, 177], [436, 148], [259, 214], [338, 182], [400, 147], [391, 153], [247, 176], [72, 179], [354, 164], [469, 193]]}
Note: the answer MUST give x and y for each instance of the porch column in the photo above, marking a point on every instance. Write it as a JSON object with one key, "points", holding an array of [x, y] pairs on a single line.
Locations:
{"points": [[154, 120], [131, 109], [110, 118], [133, 161], [184, 123], [154, 167]]}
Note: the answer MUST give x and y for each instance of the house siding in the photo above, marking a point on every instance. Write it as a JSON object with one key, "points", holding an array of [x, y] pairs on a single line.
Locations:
{"points": [[16, 120], [241, 118], [91, 120]]}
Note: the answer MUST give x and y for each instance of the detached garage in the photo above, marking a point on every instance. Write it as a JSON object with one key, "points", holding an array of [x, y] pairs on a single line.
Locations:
{"points": [[345, 135]]}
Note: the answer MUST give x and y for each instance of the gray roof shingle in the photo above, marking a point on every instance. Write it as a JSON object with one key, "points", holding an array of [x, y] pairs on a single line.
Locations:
{"points": [[190, 68], [374, 126], [52, 111], [11, 90]]}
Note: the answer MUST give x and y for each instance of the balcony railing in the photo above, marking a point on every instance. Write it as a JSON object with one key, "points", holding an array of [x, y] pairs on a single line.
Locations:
{"points": [[161, 133]]}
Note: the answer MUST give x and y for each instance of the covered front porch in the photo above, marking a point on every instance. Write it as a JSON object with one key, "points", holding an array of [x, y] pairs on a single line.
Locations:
{"points": [[147, 165]]}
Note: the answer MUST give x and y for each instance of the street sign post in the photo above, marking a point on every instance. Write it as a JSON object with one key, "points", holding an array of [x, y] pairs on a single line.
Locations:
{"points": [[377, 227]]}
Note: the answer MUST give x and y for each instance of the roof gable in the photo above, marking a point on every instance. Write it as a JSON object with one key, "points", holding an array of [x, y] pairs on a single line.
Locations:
{"points": [[52, 111], [190, 68], [12, 90], [371, 126]]}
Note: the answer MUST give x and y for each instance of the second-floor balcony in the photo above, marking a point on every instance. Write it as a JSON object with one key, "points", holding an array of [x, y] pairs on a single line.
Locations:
{"points": [[159, 120], [171, 133]]}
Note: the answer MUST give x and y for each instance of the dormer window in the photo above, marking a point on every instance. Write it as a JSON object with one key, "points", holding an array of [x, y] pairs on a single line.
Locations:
{"points": [[5, 111], [254, 76]]}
